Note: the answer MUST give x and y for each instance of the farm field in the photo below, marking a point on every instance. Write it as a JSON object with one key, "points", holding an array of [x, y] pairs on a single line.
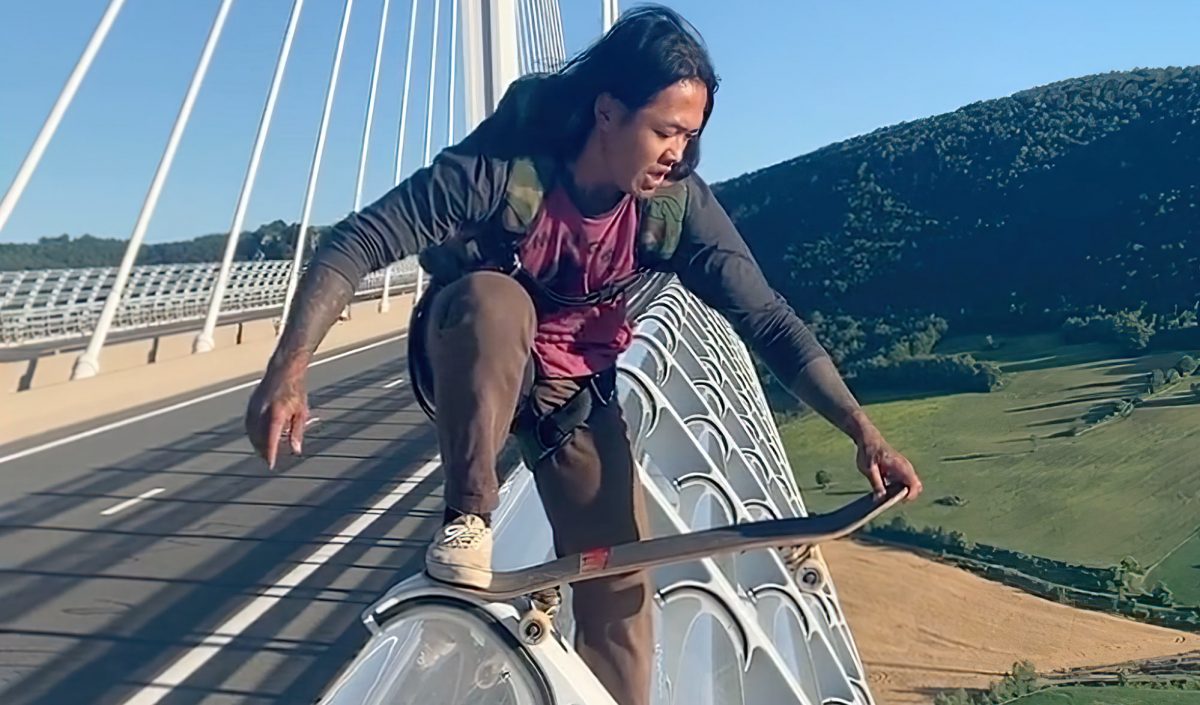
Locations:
{"points": [[1126, 489]]}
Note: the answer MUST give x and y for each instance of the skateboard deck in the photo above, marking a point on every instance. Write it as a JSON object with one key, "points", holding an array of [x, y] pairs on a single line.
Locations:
{"points": [[679, 548]]}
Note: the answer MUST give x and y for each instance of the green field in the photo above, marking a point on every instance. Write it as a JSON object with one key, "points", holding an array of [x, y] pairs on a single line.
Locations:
{"points": [[1127, 489], [1111, 696]]}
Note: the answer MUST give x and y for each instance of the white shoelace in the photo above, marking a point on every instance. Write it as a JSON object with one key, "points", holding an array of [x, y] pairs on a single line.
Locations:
{"points": [[462, 535]]}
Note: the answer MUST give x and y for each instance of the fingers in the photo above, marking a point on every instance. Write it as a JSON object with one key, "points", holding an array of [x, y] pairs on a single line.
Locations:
{"points": [[274, 431], [876, 479], [914, 486], [911, 481], [299, 422], [903, 473]]}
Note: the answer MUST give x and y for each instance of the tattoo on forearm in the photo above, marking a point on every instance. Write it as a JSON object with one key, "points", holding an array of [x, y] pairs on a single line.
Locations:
{"points": [[321, 296]]}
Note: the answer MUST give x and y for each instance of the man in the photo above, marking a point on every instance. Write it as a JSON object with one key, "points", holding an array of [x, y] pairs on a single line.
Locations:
{"points": [[531, 227]]}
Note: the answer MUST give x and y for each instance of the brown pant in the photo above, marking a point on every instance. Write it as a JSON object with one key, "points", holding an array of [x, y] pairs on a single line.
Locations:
{"points": [[479, 336]]}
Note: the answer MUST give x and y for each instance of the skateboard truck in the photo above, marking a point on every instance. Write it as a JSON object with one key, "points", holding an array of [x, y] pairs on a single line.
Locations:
{"points": [[538, 621], [806, 566]]}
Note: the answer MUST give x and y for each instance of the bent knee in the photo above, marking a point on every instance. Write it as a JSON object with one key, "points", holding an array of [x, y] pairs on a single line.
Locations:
{"points": [[487, 299]]}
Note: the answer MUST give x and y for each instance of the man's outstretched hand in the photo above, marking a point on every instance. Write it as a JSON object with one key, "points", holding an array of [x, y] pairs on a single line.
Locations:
{"points": [[882, 465], [279, 403]]}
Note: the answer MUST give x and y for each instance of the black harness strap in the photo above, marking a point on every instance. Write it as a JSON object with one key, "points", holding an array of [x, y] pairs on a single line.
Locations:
{"points": [[552, 430]]}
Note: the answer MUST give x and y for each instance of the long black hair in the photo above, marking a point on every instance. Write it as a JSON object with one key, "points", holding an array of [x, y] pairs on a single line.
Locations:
{"points": [[646, 50]]}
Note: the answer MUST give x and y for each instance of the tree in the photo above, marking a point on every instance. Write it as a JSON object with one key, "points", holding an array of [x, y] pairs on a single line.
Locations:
{"points": [[956, 697], [1162, 594], [1129, 564], [823, 479], [1131, 331], [1024, 672]]}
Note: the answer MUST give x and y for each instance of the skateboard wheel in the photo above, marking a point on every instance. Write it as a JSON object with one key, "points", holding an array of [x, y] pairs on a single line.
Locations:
{"points": [[534, 627], [809, 576]]}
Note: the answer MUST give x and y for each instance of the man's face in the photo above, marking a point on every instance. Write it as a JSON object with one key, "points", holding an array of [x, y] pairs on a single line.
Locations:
{"points": [[642, 146]]}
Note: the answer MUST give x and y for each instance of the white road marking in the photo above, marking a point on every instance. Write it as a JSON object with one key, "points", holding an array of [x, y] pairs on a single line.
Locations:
{"points": [[175, 407], [197, 656], [394, 383], [130, 502]]}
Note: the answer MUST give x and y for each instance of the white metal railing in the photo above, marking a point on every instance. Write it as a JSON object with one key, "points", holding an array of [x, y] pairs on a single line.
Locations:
{"points": [[737, 625], [61, 304]]}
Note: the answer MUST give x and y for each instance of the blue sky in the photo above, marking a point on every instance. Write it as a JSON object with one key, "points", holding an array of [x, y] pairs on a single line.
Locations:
{"points": [[796, 75]]}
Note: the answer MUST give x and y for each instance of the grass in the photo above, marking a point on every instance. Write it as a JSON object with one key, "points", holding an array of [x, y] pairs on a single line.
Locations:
{"points": [[1127, 489], [1115, 695], [1179, 572]]}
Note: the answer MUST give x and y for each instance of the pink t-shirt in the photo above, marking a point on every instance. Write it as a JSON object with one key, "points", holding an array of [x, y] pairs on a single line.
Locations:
{"points": [[575, 255]]}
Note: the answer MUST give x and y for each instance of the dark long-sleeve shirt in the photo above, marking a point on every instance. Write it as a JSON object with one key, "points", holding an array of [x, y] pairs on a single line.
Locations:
{"points": [[465, 186]]}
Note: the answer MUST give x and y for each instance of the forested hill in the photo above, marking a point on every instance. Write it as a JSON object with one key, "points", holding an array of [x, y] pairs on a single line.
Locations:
{"points": [[1077, 193]]}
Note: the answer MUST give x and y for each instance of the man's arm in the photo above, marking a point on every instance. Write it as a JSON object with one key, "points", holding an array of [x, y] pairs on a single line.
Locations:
{"points": [[321, 296], [460, 186], [714, 262]]}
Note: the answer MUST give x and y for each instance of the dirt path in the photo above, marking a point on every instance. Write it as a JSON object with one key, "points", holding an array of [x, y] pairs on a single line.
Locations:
{"points": [[922, 627]]}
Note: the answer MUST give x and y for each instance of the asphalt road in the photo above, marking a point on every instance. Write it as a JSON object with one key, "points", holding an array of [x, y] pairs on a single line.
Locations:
{"points": [[160, 561]]}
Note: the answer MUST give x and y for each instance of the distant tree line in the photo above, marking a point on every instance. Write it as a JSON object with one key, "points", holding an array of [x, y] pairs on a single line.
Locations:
{"points": [[274, 240], [1135, 331], [930, 373], [852, 340], [894, 353], [1022, 680], [1118, 589]]}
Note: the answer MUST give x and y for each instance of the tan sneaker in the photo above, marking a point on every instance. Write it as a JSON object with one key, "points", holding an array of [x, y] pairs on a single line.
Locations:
{"points": [[461, 553]]}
